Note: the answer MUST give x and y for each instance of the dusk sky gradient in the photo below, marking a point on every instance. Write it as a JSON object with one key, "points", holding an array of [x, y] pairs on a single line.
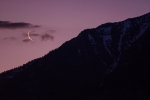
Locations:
{"points": [[52, 22]]}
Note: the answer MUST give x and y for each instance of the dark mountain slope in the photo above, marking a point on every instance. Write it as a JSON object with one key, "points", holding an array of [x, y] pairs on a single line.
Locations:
{"points": [[107, 62], [131, 81]]}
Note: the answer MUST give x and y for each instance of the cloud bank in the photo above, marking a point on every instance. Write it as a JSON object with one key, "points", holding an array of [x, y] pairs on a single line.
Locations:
{"points": [[16, 25]]}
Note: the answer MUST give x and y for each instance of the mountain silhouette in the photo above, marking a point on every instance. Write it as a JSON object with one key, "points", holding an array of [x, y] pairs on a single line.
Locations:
{"points": [[110, 62]]}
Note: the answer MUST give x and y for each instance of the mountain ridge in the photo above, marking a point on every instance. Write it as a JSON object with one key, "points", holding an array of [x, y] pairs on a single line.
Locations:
{"points": [[86, 65]]}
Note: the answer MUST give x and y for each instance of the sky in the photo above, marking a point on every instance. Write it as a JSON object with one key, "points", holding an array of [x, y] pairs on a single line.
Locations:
{"points": [[52, 22]]}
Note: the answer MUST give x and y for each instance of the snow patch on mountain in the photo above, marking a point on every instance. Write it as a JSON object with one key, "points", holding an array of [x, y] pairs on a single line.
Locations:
{"points": [[113, 66], [91, 39], [93, 43], [107, 30], [107, 43], [142, 29], [104, 30], [126, 25]]}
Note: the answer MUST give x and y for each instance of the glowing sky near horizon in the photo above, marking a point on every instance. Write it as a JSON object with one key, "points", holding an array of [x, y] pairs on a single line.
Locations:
{"points": [[60, 20]]}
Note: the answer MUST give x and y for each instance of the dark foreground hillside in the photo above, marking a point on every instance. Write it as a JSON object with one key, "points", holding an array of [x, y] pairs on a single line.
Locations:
{"points": [[110, 62]]}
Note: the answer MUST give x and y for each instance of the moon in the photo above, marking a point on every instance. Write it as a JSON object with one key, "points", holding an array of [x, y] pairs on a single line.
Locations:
{"points": [[29, 36]]}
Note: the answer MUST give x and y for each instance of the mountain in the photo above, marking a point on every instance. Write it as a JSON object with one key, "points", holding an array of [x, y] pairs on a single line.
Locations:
{"points": [[110, 62]]}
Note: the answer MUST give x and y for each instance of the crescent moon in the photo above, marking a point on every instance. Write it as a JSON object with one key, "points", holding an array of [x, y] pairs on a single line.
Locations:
{"points": [[29, 36]]}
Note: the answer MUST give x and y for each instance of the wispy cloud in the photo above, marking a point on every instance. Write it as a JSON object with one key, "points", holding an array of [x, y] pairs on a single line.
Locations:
{"points": [[31, 34], [10, 38], [34, 34], [50, 31], [16, 25], [26, 40], [47, 37]]}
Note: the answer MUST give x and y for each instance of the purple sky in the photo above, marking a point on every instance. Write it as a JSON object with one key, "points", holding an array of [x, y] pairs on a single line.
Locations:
{"points": [[58, 20]]}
